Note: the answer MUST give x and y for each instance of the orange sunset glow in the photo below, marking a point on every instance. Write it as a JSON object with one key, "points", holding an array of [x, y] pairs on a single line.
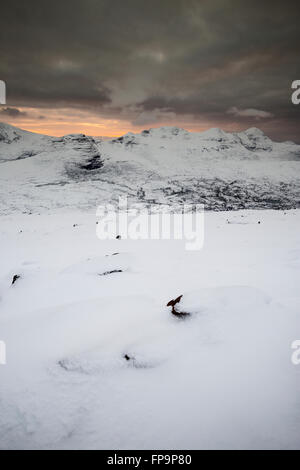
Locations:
{"points": [[58, 122]]}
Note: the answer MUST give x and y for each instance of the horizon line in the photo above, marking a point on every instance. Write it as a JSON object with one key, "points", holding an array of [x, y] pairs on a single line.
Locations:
{"points": [[138, 132]]}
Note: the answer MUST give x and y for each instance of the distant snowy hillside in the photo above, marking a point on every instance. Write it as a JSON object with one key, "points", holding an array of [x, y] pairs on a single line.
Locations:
{"points": [[222, 170]]}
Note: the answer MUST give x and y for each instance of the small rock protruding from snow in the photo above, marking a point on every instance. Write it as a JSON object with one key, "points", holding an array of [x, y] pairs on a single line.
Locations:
{"points": [[15, 278], [174, 302], [175, 312], [113, 271]]}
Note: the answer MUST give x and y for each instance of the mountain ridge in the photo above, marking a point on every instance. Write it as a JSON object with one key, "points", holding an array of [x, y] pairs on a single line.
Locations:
{"points": [[211, 133], [167, 165]]}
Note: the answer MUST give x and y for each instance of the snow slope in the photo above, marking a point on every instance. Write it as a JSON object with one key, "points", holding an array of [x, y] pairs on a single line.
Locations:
{"points": [[95, 358], [221, 378], [222, 170]]}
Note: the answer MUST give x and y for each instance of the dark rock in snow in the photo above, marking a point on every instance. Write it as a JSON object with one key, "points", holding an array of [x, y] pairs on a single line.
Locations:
{"points": [[111, 272], [175, 312], [171, 303], [15, 278]]}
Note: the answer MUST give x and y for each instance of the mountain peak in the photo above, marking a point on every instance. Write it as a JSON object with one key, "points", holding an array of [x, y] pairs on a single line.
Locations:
{"points": [[215, 133], [9, 133], [254, 131]]}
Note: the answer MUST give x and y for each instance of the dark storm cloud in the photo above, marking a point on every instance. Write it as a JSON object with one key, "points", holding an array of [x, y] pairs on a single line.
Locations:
{"points": [[12, 112], [129, 58]]}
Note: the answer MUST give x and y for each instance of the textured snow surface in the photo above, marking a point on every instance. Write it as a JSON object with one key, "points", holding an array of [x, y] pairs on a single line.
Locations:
{"points": [[223, 171], [95, 359], [221, 378]]}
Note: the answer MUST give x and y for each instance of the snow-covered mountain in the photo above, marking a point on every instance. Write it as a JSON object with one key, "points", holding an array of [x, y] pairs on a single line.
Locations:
{"points": [[95, 357], [166, 165]]}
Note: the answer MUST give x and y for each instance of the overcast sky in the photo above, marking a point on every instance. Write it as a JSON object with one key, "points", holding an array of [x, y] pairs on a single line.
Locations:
{"points": [[105, 67]]}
